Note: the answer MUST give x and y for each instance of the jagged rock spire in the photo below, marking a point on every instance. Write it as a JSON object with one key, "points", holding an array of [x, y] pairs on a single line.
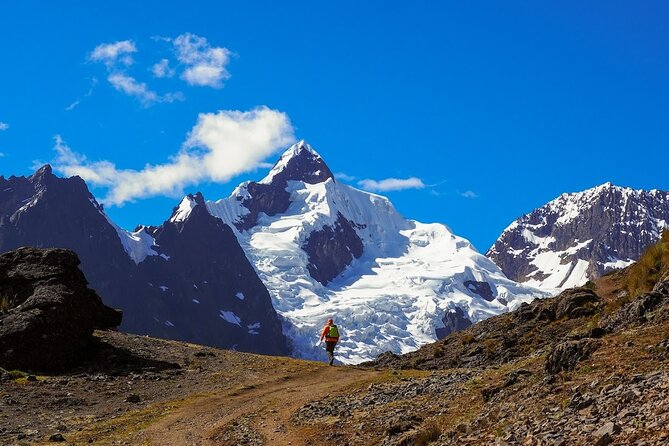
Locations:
{"points": [[299, 163]]}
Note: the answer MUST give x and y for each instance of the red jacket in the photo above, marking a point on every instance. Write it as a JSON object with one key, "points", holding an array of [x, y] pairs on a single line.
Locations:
{"points": [[326, 331]]}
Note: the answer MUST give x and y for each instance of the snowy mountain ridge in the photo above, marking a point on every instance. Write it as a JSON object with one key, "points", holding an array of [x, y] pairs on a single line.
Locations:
{"points": [[579, 236], [277, 257], [331, 250]]}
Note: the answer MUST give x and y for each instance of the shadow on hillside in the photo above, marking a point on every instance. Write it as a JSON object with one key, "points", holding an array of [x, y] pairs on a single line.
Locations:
{"points": [[102, 357]]}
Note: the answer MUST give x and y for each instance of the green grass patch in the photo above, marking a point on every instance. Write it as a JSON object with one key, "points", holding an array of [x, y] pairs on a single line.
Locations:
{"points": [[17, 374]]}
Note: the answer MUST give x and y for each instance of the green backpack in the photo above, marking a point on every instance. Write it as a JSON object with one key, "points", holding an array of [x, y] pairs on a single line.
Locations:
{"points": [[334, 331]]}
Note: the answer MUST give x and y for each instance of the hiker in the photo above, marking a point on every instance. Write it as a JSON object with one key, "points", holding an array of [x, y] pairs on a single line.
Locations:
{"points": [[331, 336]]}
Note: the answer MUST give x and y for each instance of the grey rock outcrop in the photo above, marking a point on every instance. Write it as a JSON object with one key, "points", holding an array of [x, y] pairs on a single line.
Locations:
{"points": [[49, 313], [454, 320], [566, 355]]}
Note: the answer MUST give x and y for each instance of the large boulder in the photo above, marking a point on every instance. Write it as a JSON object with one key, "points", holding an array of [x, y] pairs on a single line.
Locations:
{"points": [[569, 304], [47, 311], [576, 302], [565, 355]]}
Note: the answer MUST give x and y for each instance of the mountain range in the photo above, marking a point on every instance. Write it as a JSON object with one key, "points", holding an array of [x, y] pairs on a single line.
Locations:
{"points": [[167, 279], [262, 269]]}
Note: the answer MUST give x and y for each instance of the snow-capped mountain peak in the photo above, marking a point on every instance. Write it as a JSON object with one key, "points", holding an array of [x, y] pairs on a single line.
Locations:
{"points": [[299, 163], [325, 249], [579, 236], [188, 203]]}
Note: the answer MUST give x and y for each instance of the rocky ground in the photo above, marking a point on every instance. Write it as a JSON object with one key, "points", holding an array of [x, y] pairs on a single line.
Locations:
{"points": [[131, 382], [588, 367]]}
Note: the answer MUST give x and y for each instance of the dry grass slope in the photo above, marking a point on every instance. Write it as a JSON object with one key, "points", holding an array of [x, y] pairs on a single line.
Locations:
{"points": [[654, 262]]}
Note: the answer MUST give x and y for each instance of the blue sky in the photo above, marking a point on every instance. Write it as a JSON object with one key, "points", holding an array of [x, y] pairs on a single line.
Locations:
{"points": [[495, 107]]}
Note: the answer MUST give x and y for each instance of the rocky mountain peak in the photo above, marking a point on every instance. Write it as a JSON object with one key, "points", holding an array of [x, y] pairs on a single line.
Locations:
{"points": [[299, 163], [45, 170], [580, 236], [186, 207], [42, 177]]}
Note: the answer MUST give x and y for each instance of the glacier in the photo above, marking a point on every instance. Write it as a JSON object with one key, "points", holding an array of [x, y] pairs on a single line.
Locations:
{"points": [[392, 297]]}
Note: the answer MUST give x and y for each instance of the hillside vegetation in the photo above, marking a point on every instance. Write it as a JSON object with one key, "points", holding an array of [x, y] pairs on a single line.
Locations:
{"points": [[587, 367], [651, 266]]}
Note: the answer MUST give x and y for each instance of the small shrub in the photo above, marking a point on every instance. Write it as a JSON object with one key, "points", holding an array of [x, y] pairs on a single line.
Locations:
{"points": [[590, 285], [491, 346], [17, 374], [467, 338], [586, 369], [416, 363], [4, 303], [594, 321], [427, 435], [614, 305]]}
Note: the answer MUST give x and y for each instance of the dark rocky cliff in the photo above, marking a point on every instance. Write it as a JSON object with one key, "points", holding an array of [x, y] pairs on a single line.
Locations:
{"points": [[202, 280], [46, 211]]}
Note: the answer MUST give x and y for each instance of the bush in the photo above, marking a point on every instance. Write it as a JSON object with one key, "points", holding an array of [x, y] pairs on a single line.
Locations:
{"points": [[4, 303], [590, 285], [427, 435], [17, 374], [650, 267], [491, 346]]}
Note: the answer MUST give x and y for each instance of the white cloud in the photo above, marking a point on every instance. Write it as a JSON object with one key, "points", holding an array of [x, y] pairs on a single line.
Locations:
{"points": [[116, 57], [88, 94], [469, 194], [162, 69], [111, 53], [3, 126], [73, 105], [219, 146], [391, 184], [205, 65], [129, 85]]}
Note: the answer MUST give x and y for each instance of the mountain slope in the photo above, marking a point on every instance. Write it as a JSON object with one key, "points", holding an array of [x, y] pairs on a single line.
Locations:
{"points": [[580, 236], [583, 368], [167, 279], [325, 249]]}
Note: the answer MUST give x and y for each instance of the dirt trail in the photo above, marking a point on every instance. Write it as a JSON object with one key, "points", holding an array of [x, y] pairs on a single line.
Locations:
{"points": [[254, 414]]}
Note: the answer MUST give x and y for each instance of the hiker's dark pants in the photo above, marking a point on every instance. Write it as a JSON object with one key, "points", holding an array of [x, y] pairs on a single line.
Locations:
{"points": [[329, 347]]}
